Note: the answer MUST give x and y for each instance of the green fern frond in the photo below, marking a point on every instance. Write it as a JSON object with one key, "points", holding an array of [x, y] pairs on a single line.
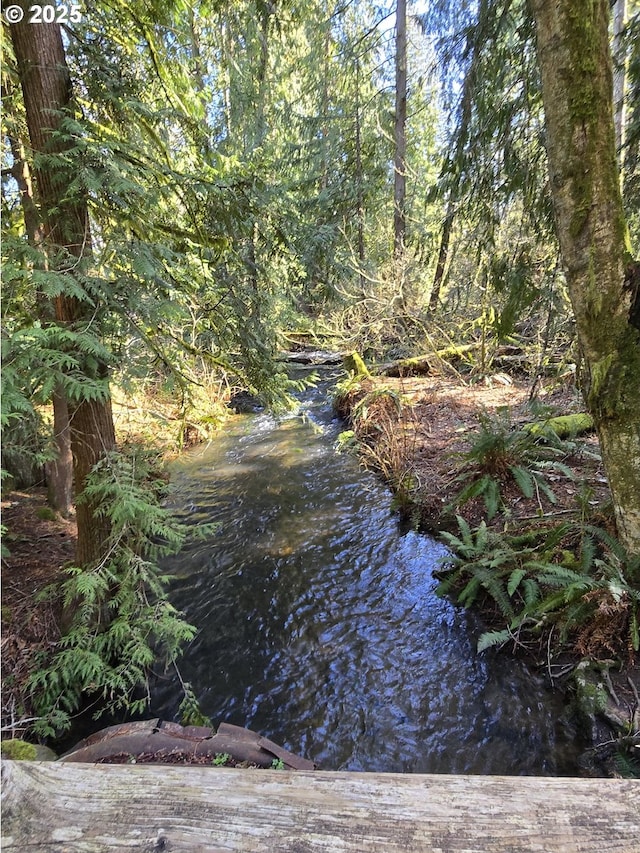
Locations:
{"points": [[514, 580], [490, 639], [524, 480]]}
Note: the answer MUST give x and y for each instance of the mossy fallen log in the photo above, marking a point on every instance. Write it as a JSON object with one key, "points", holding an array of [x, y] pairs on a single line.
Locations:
{"points": [[563, 426], [456, 352], [354, 364], [419, 365], [422, 365]]}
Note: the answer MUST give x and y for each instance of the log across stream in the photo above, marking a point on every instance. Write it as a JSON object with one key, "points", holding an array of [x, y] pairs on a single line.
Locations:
{"points": [[317, 621], [79, 808]]}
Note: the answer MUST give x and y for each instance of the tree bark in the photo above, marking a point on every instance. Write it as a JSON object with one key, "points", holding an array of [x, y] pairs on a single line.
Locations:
{"points": [[59, 471], [619, 72], [400, 133], [577, 88], [46, 87]]}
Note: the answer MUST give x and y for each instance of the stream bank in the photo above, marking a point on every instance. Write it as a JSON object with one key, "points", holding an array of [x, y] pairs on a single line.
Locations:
{"points": [[28, 571], [318, 622], [414, 432]]}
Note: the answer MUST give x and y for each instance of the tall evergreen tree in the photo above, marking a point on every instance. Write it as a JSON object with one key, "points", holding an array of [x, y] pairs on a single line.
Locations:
{"points": [[47, 95], [574, 54], [400, 134]]}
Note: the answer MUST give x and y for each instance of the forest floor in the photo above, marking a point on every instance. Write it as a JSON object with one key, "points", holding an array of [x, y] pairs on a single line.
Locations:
{"points": [[38, 545], [435, 425]]}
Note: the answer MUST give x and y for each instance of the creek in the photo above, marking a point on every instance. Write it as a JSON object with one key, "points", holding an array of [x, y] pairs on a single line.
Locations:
{"points": [[318, 625]]}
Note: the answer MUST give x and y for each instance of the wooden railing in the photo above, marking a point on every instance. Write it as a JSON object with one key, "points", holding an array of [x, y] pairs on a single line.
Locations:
{"points": [[83, 807]]}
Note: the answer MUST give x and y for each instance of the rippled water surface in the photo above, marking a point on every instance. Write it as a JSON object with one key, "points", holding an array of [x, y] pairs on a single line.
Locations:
{"points": [[318, 624]]}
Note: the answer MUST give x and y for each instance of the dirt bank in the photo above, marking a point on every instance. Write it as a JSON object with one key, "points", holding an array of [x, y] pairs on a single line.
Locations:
{"points": [[427, 435], [38, 544]]}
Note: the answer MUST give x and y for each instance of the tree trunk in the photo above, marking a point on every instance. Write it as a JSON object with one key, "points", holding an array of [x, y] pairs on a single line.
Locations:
{"points": [[46, 88], [475, 43], [92, 435], [576, 68], [324, 100], [461, 142], [359, 184], [619, 72], [59, 471], [400, 133]]}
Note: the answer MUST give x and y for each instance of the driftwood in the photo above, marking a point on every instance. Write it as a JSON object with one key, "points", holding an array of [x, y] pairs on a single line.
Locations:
{"points": [[78, 807], [163, 742]]}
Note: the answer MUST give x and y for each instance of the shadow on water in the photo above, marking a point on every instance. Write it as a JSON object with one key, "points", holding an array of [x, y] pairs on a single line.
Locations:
{"points": [[318, 623]]}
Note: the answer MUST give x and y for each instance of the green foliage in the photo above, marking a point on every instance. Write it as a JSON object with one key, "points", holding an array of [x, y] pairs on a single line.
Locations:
{"points": [[221, 759], [46, 513], [627, 763], [120, 621], [189, 710], [347, 441], [500, 454], [344, 390], [277, 764], [533, 582], [501, 567]]}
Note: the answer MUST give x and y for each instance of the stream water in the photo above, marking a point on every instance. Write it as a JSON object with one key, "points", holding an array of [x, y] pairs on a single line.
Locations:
{"points": [[318, 623]]}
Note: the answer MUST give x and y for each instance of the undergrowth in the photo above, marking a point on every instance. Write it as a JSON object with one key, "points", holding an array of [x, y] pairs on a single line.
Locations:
{"points": [[580, 582], [118, 620], [380, 438], [501, 454]]}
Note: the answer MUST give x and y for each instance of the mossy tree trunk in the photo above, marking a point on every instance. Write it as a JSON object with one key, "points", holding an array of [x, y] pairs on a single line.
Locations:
{"points": [[575, 63], [46, 88]]}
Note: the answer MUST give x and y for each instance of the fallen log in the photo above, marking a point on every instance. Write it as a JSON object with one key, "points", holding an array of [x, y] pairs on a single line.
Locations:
{"points": [[94, 809], [563, 426], [419, 365], [422, 365]]}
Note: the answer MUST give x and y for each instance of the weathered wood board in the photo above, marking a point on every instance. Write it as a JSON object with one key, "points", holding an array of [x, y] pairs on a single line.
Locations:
{"points": [[89, 808]]}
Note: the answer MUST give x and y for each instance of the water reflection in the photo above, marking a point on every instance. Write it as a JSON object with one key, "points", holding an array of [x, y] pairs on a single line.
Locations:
{"points": [[318, 622]]}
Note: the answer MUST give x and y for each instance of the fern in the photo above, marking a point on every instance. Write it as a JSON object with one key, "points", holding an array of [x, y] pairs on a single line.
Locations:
{"points": [[498, 454], [514, 580], [524, 480], [121, 621], [528, 587], [493, 638], [531, 594]]}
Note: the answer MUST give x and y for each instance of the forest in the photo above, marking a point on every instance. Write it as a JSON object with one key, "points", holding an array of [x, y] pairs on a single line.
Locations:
{"points": [[195, 193]]}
